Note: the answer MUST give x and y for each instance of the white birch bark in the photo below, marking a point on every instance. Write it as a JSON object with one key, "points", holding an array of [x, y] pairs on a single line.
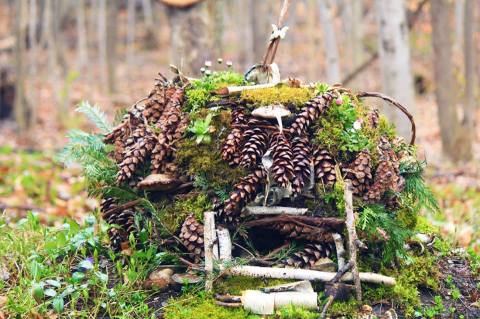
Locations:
{"points": [[329, 42], [394, 53]]}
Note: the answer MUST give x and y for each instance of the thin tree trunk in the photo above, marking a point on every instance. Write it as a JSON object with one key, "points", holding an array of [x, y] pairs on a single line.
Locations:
{"points": [[102, 39], [112, 44], [189, 37], [216, 13], [329, 42], [469, 55], [353, 26], [313, 39], [151, 40], [459, 23], [445, 91], [394, 53], [130, 29], [32, 36], [82, 50], [21, 106]]}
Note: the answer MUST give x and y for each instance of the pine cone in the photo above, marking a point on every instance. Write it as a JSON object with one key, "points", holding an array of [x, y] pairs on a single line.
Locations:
{"points": [[373, 118], [232, 144], [308, 256], [254, 148], [158, 100], [124, 219], [359, 173], [306, 232], [191, 236], [138, 148], [243, 193], [312, 110], [282, 167], [387, 174], [324, 167], [302, 160]]}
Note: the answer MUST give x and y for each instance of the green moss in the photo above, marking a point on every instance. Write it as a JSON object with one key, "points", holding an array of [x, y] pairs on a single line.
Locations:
{"points": [[279, 94], [235, 285], [201, 306], [293, 312], [349, 309], [174, 214], [407, 218]]}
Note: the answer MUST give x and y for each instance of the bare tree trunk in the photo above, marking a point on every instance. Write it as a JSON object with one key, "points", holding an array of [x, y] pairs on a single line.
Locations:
{"points": [[151, 40], [112, 44], [82, 49], [394, 53], [131, 8], [216, 13], [469, 57], [189, 37], [32, 36], [21, 109], [353, 26], [459, 22], [451, 130], [102, 39], [329, 42]]}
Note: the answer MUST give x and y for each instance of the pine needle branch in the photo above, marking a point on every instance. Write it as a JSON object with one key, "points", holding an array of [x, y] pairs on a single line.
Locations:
{"points": [[95, 115]]}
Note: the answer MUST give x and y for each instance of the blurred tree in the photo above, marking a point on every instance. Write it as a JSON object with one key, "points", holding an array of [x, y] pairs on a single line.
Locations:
{"points": [[150, 38], [82, 49], [456, 142], [21, 107], [216, 13], [469, 57], [102, 38], [352, 15], [394, 54], [111, 48], [189, 36], [329, 42], [131, 8], [32, 35], [260, 15]]}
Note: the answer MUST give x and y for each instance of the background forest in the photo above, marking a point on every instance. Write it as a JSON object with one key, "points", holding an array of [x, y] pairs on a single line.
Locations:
{"points": [[55, 54]]}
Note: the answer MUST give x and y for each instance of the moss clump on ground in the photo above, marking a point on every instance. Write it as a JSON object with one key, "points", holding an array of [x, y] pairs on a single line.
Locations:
{"points": [[173, 214], [292, 312], [202, 306], [295, 97], [344, 308]]}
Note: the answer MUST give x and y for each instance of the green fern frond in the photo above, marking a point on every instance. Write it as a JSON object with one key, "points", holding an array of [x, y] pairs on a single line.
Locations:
{"points": [[95, 115]]}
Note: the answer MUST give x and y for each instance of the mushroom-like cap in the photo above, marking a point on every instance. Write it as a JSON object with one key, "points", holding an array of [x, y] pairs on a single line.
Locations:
{"points": [[271, 111], [159, 182], [186, 278], [180, 3]]}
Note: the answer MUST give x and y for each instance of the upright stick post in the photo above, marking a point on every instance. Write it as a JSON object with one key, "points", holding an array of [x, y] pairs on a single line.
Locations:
{"points": [[352, 237], [209, 237]]}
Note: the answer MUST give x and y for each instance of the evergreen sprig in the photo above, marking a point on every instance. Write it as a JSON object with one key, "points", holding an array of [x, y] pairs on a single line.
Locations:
{"points": [[95, 115]]}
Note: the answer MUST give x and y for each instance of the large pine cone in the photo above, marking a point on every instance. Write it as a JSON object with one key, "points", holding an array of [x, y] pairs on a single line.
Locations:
{"points": [[359, 173], [387, 175], [191, 236], [243, 193], [256, 140], [138, 148], [324, 164], [302, 160], [308, 256], [158, 100], [232, 144], [282, 167], [310, 113], [124, 219]]}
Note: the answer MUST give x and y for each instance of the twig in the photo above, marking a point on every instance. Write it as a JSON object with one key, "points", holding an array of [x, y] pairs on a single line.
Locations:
{"points": [[209, 239], [273, 44], [229, 304], [124, 206], [352, 236], [397, 105], [332, 223]]}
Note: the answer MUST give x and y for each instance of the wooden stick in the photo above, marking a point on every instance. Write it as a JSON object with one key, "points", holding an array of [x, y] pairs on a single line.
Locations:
{"points": [[274, 210], [306, 274], [229, 90], [330, 223], [209, 238], [352, 236], [337, 239]]}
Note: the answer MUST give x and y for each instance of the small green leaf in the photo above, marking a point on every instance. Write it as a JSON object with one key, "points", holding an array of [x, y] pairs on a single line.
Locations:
{"points": [[54, 283], [78, 276], [37, 291], [58, 304], [50, 292]]}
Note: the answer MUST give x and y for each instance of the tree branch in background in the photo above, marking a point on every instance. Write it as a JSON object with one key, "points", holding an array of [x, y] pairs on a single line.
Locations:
{"points": [[412, 19]]}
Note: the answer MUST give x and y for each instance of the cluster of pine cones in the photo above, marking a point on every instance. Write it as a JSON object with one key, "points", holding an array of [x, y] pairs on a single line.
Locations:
{"points": [[145, 135]]}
